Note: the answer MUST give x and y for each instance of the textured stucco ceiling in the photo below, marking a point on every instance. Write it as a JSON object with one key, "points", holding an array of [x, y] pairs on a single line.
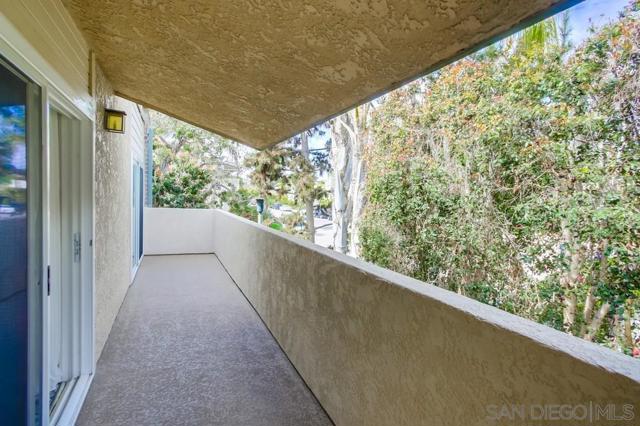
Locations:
{"points": [[259, 71]]}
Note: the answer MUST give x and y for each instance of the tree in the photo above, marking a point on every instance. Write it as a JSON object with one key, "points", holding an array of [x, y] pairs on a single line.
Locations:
{"points": [[512, 177], [541, 35], [341, 162], [290, 169], [268, 169], [305, 164], [304, 176], [350, 137], [184, 186], [177, 142]]}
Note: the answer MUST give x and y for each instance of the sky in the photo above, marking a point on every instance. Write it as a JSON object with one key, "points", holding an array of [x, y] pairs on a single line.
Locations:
{"points": [[593, 12]]}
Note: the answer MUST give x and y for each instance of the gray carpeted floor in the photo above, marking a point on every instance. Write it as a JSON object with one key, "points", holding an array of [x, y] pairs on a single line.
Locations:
{"points": [[188, 349]]}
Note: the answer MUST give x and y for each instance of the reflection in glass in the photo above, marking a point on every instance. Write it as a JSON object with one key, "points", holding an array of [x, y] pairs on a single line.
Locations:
{"points": [[13, 249]]}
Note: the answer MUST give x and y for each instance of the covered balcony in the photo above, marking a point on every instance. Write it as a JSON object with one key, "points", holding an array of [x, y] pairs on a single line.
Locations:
{"points": [[231, 323], [228, 322]]}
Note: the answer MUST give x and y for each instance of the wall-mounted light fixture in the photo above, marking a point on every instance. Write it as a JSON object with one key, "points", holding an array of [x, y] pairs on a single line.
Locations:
{"points": [[114, 120]]}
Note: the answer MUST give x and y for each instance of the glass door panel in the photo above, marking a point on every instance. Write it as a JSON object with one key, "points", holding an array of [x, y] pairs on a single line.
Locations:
{"points": [[19, 241]]}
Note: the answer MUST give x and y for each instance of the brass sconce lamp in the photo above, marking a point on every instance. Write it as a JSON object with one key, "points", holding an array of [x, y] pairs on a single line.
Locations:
{"points": [[114, 120]]}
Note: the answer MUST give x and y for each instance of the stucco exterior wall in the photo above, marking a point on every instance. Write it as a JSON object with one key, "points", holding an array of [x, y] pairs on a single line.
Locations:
{"points": [[113, 174], [178, 231], [379, 348]]}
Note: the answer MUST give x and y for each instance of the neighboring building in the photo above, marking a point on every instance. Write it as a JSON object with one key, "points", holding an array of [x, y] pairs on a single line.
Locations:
{"points": [[370, 344]]}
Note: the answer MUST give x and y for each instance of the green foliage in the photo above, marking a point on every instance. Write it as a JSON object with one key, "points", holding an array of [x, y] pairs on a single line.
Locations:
{"points": [[538, 36], [268, 169], [324, 199], [12, 137], [276, 225], [179, 143], [185, 186], [282, 174], [301, 178], [281, 170], [294, 223], [376, 246], [512, 177], [239, 203]]}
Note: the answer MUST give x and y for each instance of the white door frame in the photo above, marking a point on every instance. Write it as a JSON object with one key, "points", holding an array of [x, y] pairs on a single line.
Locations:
{"points": [[135, 206], [80, 300], [56, 93]]}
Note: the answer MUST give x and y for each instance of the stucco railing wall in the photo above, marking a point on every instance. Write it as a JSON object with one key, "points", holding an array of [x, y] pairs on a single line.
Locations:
{"points": [[379, 348], [178, 231]]}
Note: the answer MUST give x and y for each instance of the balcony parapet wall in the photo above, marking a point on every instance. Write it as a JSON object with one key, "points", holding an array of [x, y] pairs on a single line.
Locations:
{"points": [[380, 348], [178, 231]]}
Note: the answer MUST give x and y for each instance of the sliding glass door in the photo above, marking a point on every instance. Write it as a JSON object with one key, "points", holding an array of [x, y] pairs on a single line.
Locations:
{"points": [[20, 248]]}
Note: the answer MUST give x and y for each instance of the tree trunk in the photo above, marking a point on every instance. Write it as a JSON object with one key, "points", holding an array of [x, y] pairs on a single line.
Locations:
{"points": [[570, 280], [349, 135], [342, 168], [308, 204], [596, 322], [360, 131], [626, 324], [589, 304], [593, 321]]}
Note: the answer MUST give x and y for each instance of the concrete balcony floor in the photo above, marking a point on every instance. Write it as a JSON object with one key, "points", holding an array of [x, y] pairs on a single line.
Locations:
{"points": [[187, 348]]}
